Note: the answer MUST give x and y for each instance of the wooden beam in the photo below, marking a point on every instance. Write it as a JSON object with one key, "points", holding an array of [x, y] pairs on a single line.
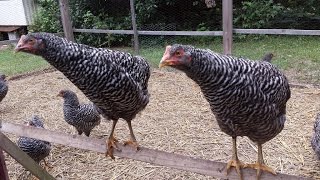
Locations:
{"points": [[3, 168], [201, 166], [278, 31], [152, 33], [22, 158], [66, 20], [182, 33], [206, 33], [134, 27], [7, 42], [227, 20]]}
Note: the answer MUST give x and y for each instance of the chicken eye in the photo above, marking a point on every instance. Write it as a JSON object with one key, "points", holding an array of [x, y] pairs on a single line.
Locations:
{"points": [[30, 40], [178, 53]]}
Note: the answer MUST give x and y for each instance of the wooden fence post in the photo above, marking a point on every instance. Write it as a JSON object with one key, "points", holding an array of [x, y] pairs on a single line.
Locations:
{"points": [[134, 27], [66, 20], [227, 25]]}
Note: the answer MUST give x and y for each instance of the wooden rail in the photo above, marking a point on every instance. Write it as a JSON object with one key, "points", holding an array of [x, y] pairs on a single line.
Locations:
{"points": [[206, 33], [7, 42], [152, 33], [201, 166]]}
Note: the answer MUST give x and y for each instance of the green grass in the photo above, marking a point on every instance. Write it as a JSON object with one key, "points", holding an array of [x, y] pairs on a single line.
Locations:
{"points": [[12, 63], [298, 56]]}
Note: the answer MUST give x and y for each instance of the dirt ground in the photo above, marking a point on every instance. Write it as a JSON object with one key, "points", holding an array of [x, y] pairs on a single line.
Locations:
{"points": [[177, 120]]}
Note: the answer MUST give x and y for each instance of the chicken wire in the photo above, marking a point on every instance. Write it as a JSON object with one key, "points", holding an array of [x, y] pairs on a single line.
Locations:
{"points": [[178, 20]]}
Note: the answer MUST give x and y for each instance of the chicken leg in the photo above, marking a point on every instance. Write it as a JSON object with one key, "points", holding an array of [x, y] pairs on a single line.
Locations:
{"points": [[235, 162], [112, 141], [46, 165], [132, 142], [259, 165]]}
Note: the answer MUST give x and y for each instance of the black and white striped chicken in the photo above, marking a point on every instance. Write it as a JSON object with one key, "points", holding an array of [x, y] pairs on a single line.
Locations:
{"points": [[116, 82], [84, 117], [315, 139], [248, 98], [36, 149], [3, 87]]}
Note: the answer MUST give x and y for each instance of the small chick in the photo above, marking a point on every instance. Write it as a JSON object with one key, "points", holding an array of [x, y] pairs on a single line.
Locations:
{"points": [[84, 117], [36, 149], [267, 57], [315, 140], [3, 87]]}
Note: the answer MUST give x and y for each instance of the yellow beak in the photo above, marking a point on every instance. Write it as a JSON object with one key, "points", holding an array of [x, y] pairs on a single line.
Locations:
{"points": [[164, 62]]}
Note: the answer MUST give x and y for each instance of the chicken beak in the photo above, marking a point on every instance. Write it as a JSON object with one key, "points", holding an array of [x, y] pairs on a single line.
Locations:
{"points": [[60, 95], [165, 61], [22, 45]]}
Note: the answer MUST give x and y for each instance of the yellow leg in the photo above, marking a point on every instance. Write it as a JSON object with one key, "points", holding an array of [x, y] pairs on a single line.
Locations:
{"points": [[259, 165], [132, 142], [235, 162], [112, 141], [46, 165]]}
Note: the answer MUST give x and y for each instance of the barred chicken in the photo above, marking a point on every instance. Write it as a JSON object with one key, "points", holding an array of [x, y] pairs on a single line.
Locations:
{"points": [[267, 57], [38, 150], [3, 87], [248, 98], [116, 82], [315, 140], [84, 117]]}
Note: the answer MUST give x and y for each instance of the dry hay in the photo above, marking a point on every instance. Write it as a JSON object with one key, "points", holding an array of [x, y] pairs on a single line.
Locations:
{"points": [[177, 120]]}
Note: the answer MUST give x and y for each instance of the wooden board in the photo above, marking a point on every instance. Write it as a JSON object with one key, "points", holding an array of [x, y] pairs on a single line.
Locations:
{"points": [[201, 166], [21, 157], [3, 168], [205, 33]]}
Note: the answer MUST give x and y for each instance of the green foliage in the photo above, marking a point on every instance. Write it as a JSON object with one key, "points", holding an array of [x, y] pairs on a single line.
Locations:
{"points": [[256, 14], [47, 17]]}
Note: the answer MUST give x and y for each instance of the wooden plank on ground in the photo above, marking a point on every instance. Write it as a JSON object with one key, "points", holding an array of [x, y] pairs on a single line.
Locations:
{"points": [[13, 150], [201, 166], [3, 168]]}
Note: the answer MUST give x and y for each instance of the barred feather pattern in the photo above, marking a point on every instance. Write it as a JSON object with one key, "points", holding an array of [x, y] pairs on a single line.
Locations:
{"points": [[248, 98], [35, 148], [115, 81], [3, 87], [84, 117], [315, 139]]}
